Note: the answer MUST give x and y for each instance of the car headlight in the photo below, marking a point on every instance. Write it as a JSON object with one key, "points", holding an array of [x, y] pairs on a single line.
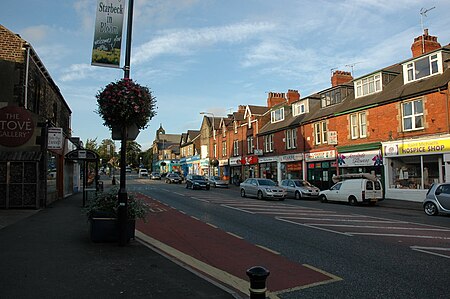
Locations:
{"points": [[195, 183], [268, 190]]}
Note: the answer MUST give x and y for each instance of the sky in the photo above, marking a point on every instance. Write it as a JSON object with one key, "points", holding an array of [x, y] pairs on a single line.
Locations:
{"points": [[214, 55]]}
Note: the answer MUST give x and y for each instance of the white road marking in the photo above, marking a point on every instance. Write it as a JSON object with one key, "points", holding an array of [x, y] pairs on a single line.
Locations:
{"points": [[234, 208], [319, 228], [399, 235], [342, 220], [380, 227]]}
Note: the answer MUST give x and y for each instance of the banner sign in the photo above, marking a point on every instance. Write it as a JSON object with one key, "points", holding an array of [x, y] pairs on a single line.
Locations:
{"points": [[108, 33], [325, 155]]}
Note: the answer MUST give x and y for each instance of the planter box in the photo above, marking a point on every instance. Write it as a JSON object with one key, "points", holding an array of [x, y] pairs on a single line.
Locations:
{"points": [[104, 229]]}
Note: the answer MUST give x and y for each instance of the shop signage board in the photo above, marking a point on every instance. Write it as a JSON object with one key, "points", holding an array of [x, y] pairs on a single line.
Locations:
{"points": [[332, 137], [356, 159], [417, 147], [291, 158], [324, 155], [55, 139], [16, 126], [235, 161], [268, 159]]}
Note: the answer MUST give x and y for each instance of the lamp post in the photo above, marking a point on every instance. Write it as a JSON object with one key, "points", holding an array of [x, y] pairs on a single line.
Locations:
{"points": [[123, 196], [214, 134]]}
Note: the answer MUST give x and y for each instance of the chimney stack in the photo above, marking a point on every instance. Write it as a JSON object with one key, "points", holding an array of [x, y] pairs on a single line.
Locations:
{"points": [[292, 96], [275, 98], [340, 77], [424, 44]]}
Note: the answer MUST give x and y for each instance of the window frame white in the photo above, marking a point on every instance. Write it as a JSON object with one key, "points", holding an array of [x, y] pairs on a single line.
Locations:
{"points": [[358, 125], [413, 116], [368, 85], [268, 143], [291, 138], [250, 145], [236, 147], [320, 133], [277, 115], [410, 72]]}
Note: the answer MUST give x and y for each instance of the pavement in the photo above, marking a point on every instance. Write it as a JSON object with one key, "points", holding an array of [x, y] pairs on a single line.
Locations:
{"points": [[47, 253]]}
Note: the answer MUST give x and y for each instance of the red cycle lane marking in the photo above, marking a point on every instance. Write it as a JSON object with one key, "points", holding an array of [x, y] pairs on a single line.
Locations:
{"points": [[224, 251]]}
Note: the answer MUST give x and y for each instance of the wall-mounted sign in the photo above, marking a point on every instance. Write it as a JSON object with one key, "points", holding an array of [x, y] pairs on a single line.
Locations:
{"points": [[332, 137], [55, 138], [16, 126]]}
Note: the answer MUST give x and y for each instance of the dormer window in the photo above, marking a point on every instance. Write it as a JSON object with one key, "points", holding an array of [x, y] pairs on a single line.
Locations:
{"points": [[368, 85], [423, 67], [277, 115], [298, 108]]}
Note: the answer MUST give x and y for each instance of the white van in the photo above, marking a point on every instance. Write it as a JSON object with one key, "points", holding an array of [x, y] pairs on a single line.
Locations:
{"points": [[354, 189]]}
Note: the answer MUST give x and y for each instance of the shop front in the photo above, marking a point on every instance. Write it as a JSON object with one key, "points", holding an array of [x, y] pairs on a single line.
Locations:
{"points": [[250, 165], [268, 168], [235, 170], [291, 166], [321, 166], [224, 169], [412, 166], [204, 167], [361, 162], [193, 165]]}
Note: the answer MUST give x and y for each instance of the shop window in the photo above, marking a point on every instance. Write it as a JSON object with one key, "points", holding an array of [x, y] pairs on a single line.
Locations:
{"points": [[408, 172]]}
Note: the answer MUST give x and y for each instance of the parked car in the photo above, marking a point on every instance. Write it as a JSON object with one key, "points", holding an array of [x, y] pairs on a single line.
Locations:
{"points": [[298, 189], [155, 176], [128, 169], [143, 173], [262, 188], [195, 181], [173, 178], [354, 189], [437, 199], [215, 181]]}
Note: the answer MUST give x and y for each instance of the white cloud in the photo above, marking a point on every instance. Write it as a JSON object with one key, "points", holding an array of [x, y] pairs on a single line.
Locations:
{"points": [[185, 41], [35, 34]]}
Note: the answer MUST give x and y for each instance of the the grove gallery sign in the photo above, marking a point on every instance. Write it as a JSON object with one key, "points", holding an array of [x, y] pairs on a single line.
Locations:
{"points": [[16, 126]]}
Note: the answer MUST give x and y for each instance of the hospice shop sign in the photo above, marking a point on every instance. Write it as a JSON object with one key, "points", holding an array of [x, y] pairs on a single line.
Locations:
{"points": [[417, 147], [16, 126], [108, 33]]}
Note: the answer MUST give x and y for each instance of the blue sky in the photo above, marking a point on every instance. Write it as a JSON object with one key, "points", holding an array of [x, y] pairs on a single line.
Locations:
{"points": [[213, 55]]}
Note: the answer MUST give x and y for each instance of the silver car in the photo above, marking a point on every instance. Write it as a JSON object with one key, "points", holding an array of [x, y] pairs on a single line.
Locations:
{"points": [[437, 199], [216, 182], [262, 188], [298, 189]]}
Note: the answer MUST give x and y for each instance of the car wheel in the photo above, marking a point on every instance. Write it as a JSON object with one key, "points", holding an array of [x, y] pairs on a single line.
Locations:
{"points": [[187, 187], [323, 198], [298, 195], [207, 187], [260, 195], [430, 209], [352, 201], [242, 193], [215, 186]]}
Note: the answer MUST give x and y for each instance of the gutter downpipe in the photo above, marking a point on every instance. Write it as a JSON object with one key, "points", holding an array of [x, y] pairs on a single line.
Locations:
{"points": [[26, 76]]}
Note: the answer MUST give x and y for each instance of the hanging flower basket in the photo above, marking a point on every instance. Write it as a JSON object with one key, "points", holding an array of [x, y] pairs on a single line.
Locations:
{"points": [[123, 103]]}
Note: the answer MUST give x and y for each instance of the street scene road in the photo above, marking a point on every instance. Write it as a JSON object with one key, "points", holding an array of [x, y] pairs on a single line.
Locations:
{"points": [[312, 249]]}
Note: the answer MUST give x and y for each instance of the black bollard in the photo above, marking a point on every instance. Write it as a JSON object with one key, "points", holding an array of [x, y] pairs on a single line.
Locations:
{"points": [[258, 276], [113, 180]]}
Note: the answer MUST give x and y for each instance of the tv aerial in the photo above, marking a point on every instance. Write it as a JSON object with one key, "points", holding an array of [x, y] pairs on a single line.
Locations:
{"points": [[423, 13]]}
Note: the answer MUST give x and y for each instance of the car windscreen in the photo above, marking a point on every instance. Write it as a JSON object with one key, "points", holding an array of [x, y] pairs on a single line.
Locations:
{"points": [[197, 177], [267, 183], [216, 178], [302, 184]]}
